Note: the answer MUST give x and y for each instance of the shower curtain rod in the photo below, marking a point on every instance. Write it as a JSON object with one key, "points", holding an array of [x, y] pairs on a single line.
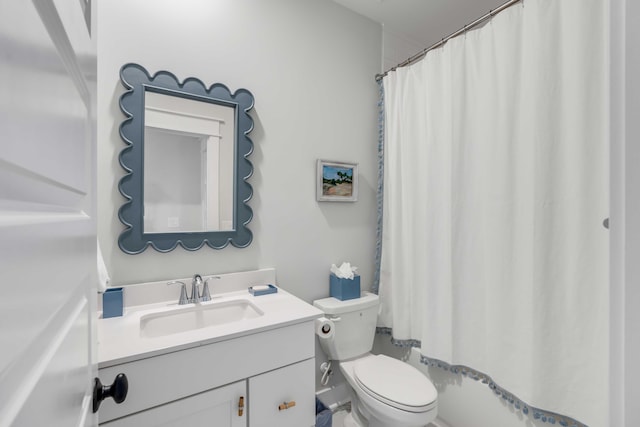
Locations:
{"points": [[462, 30]]}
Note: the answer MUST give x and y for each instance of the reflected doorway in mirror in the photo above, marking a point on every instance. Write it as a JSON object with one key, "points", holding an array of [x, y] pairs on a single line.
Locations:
{"points": [[188, 165]]}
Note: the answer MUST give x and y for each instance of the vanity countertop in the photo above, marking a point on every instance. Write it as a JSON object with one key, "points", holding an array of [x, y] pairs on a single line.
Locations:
{"points": [[120, 340]]}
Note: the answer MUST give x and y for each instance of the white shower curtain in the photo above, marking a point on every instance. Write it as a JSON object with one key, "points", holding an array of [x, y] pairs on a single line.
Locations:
{"points": [[494, 253]]}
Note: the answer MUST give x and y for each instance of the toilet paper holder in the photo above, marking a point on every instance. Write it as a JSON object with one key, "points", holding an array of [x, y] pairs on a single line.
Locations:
{"points": [[324, 328]]}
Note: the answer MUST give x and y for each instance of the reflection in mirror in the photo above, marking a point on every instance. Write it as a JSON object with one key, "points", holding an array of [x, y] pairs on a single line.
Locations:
{"points": [[185, 161], [195, 194]]}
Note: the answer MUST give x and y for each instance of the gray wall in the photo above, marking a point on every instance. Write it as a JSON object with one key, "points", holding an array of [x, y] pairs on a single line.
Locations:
{"points": [[625, 213], [310, 66]]}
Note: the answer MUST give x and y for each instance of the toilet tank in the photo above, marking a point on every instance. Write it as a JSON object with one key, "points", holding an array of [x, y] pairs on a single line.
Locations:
{"points": [[354, 325]]}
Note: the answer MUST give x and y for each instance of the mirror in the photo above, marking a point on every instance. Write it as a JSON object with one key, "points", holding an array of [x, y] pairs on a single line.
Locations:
{"points": [[186, 163]]}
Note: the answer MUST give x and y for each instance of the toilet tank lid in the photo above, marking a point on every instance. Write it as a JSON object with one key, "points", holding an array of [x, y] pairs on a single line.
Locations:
{"points": [[333, 305]]}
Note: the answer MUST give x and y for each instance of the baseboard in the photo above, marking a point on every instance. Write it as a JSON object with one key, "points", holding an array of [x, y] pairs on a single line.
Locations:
{"points": [[439, 423]]}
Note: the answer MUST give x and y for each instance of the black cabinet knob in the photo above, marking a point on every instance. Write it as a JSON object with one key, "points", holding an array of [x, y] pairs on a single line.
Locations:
{"points": [[118, 391]]}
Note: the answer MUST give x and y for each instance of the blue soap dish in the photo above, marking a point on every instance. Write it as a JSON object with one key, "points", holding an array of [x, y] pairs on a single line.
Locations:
{"points": [[257, 292]]}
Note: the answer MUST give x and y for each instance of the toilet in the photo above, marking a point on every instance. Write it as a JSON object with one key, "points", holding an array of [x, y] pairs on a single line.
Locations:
{"points": [[385, 392]]}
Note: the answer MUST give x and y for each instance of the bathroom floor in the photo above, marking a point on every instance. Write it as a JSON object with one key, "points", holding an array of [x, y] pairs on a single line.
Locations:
{"points": [[339, 416]]}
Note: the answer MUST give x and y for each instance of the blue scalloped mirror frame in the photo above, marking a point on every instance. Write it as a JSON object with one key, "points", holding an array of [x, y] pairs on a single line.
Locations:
{"points": [[137, 81]]}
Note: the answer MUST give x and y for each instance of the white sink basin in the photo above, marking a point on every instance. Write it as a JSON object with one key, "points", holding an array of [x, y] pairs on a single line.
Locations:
{"points": [[197, 317]]}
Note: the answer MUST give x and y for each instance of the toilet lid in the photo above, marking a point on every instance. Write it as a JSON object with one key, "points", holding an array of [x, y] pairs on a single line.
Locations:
{"points": [[395, 383]]}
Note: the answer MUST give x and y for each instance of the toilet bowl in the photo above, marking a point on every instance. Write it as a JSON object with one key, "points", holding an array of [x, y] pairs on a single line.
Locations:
{"points": [[389, 392], [385, 392]]}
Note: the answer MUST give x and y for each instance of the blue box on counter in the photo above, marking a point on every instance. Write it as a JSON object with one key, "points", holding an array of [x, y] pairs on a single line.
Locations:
{"points": [[260, 291], [344, 289], [112, 303]]}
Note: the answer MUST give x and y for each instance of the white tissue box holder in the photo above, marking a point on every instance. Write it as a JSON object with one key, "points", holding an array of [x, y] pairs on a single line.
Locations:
{"points": [[344, 289]]}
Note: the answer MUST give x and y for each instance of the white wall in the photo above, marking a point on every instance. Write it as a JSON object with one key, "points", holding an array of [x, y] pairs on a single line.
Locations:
{"points": [[625, 213], [631, 226], [310, 65], [171, 191], [397, 48]]}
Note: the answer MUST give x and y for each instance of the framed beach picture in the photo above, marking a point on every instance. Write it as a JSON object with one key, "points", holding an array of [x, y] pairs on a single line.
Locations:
{"points": [[336, 181]]}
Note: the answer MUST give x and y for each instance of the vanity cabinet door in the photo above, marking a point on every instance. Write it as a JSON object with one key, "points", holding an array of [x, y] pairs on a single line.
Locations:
{"points": [[220, 407], [284, 397]]}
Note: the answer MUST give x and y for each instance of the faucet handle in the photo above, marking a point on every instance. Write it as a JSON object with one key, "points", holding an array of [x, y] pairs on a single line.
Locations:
{"points": [[183, 292], [206, 295]]}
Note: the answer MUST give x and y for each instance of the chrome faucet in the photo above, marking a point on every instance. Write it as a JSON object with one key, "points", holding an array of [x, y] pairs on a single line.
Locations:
{"points": [[195, 294]]}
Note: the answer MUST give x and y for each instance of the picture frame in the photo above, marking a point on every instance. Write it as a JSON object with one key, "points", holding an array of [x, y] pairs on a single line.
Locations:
{"points": [[336, 181]]}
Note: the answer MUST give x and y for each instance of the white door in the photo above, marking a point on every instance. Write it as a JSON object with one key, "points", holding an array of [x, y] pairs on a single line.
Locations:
{"points": [[47, 208]]}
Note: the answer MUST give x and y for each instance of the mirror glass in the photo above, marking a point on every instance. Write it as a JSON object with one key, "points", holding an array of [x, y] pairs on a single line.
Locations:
{"points": [[185, 161], [195, 194]]}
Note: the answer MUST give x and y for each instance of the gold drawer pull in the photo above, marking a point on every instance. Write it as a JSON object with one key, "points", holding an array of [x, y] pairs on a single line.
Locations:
{"points": [[241, 406], [286, 405]]}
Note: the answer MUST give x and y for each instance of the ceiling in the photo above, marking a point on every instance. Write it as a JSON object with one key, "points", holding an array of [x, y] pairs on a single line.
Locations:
{"points": [[422, 21]]}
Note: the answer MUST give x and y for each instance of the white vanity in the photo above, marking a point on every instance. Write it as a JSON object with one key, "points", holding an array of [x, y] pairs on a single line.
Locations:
{"points": [[237, 360]]}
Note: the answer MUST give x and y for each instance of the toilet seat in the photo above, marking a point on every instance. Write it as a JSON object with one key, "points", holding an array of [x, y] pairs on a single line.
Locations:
{"points": [[395, 383]]}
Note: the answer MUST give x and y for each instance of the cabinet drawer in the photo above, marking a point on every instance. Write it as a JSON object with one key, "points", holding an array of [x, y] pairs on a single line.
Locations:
{"points": [[168, 377], [269, 393], [218, 407]]}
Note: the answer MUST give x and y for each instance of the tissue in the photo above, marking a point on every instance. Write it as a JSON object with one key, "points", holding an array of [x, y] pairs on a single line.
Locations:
{"points": [[344, 282], [345, 271]]}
